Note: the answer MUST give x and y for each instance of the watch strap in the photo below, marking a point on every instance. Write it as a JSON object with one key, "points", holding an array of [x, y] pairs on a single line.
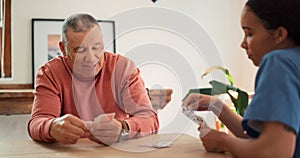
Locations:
{"points": [[125, 125]]}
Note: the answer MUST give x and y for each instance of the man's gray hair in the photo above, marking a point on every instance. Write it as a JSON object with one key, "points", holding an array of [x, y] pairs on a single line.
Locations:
{"points": [[80, 22]]}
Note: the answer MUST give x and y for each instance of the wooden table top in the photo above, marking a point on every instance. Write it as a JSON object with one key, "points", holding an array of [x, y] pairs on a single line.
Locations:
{"points": [[182, 145]]}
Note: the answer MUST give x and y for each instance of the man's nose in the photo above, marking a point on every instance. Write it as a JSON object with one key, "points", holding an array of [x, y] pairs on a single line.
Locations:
{"points": [[89, 55]]}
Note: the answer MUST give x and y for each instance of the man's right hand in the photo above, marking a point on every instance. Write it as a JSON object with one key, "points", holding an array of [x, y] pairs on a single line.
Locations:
{"points": [[67, 129]]}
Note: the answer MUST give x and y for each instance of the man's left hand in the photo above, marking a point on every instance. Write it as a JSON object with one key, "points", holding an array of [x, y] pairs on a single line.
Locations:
{"points": [[106, 131]]}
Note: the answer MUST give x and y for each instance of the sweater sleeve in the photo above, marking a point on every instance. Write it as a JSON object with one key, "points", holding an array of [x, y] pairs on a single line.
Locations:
{"points": [[134, 100], [46, 106]]}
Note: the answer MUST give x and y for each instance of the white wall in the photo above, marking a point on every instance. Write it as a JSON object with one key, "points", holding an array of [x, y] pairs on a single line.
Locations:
{"points": [[195, 34], [219, 18]]}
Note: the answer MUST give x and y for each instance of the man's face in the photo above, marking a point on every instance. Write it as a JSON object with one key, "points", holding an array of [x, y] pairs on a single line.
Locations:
{"points": [[84, 52]]}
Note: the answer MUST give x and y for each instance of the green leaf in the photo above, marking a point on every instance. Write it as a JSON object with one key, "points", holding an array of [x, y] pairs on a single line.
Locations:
{"points": [[210, 69], [220, 88], [240, 103], [207, 91]]}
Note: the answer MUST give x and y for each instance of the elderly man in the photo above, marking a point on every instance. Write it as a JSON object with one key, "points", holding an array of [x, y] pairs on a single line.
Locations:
{"points": [[73, 89]]}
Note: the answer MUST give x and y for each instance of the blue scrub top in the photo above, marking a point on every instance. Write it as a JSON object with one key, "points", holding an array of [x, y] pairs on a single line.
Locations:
{"points": [[277, 93]]}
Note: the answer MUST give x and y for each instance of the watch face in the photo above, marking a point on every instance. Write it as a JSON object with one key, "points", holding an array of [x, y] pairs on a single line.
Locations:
{"points": [[125, 132], [123, 135]]}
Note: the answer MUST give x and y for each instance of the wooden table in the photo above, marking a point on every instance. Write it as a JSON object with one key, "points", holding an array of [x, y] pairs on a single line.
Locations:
{"points": [[182, 146]]}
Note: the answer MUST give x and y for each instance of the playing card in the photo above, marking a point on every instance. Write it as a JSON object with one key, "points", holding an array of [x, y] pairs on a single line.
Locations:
{"points": [[191, 115], [104, 117], [158, 145]]}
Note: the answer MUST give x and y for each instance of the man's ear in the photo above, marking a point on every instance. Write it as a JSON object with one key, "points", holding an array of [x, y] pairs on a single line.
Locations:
{"points": [[62, 48], [280, 34]]}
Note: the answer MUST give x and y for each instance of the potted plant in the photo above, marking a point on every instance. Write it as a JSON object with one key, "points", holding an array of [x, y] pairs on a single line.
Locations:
{"points": [[240, 103]]}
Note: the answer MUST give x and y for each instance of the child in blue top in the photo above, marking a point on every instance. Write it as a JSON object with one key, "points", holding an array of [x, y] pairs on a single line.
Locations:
{"points": [[271, 124]]}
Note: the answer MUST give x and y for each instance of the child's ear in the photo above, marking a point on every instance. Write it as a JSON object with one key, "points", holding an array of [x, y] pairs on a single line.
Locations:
{"points": [[280, 34]]}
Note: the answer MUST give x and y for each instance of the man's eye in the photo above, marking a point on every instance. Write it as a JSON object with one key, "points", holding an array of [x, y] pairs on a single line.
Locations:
{"points": [[96, 48], [81, 50]]}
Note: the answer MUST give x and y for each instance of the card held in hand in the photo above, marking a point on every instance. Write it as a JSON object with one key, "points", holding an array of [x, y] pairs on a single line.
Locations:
{"points": [[104, 117], [191, 115], [98, 119]]}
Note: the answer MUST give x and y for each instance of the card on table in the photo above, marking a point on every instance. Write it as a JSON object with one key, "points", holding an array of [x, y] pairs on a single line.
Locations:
{"points": [[161, 144]]}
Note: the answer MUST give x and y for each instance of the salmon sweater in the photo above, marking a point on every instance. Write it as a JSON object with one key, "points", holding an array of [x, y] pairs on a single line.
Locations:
{"points": [[118, 88]]}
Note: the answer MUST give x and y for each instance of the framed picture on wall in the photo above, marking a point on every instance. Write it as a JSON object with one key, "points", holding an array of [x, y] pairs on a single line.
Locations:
{"points": [[46, 34]]}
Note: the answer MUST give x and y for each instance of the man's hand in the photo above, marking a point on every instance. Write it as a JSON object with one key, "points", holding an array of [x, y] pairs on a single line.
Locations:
{"points": [[106, 131], [67, 129]]}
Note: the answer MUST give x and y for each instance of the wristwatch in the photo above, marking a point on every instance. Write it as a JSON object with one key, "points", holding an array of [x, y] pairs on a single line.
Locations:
{"points": [[124, 132]]}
